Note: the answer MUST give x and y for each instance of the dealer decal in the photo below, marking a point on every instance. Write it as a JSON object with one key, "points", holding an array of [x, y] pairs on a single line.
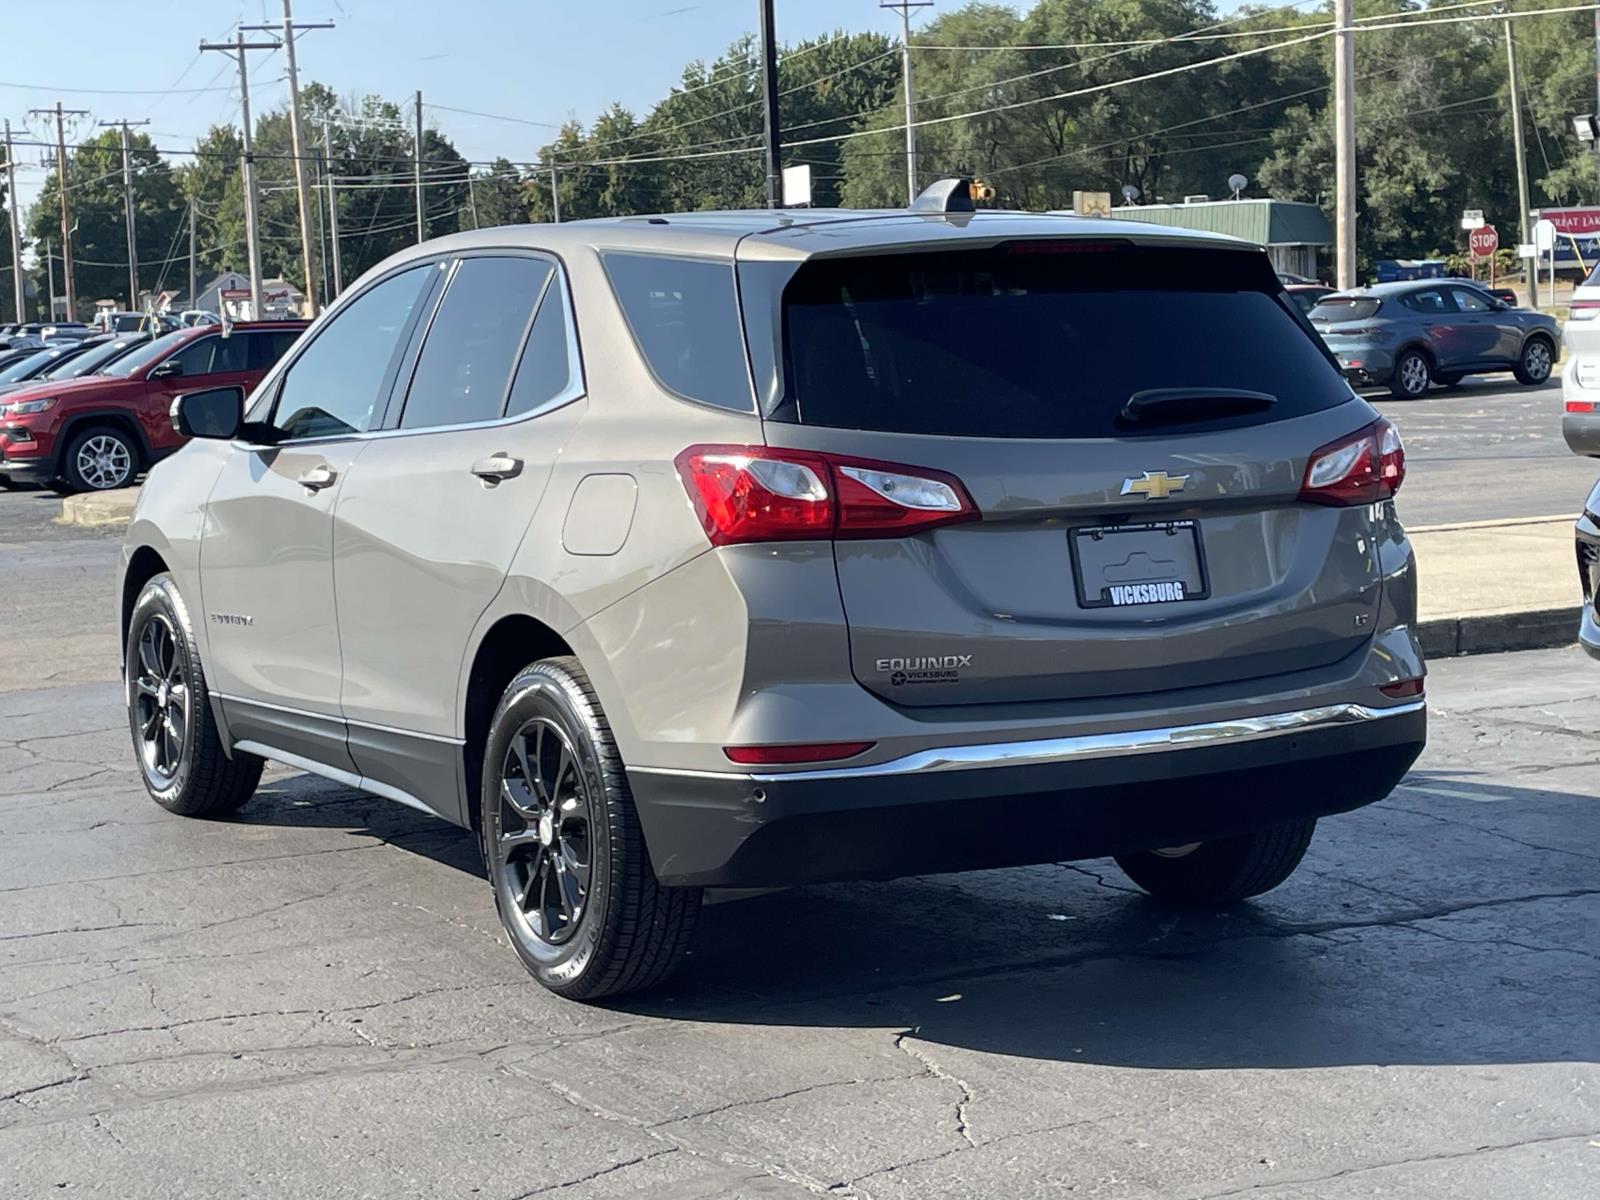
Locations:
{"points": [[928, 668], [1145, 593]]}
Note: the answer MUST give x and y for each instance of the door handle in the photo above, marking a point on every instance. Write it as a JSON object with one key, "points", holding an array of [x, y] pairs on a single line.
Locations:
{"points": [[318, 477], [497, 468]]}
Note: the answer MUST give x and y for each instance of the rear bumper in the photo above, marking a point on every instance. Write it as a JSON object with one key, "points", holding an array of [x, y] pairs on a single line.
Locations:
{"points": [[1366, 365], [1016, 803]]}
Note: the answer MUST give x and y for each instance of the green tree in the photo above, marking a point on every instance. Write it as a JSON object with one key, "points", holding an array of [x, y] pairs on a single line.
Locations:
{"points": [[100, 242], [498, 195]]}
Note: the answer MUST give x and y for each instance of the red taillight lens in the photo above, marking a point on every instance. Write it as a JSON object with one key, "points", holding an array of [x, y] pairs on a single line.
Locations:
{"points": [[1367, 466], [1405, 689], [765, 494], [754, 756], [1580, 406]]}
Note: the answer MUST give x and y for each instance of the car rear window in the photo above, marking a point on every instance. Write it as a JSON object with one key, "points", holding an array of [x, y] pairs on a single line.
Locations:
{"points": [[1040, 340], [1336, 309]]}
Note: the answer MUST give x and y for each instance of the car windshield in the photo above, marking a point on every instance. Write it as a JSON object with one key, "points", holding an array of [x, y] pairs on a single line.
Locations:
{"points": [[1335, 309], [155, 351], [92, 360], [25, 368]]}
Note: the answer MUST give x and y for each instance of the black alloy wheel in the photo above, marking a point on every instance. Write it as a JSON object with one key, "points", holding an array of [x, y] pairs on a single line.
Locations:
{"points": [[544, 850], [161, 700]]}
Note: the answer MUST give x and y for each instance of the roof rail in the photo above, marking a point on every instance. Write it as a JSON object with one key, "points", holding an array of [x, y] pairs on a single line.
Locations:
{"points": [[945, 196]]}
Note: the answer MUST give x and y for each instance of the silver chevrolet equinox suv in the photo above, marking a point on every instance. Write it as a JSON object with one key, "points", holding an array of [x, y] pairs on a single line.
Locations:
{"points": [[752, 549]]}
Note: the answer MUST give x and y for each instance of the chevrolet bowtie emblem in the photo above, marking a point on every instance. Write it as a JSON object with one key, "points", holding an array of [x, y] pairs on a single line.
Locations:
{"points": [[1154, 485]]}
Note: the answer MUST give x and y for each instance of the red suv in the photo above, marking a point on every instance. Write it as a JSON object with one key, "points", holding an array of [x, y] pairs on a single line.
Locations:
{"points": [[100, 431]]}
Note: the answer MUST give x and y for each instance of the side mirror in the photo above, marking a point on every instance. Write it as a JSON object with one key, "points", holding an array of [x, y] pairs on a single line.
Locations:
{"points": [[216, 413], [170, 369]]}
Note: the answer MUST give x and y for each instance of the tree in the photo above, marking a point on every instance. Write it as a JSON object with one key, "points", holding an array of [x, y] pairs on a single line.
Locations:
{"points": [[100, 242], [497, 194]]}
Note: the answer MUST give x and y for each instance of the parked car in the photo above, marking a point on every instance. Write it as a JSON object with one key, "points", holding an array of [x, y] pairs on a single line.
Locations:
{"points": [[198, 316], [1587, 535], [99, 431], [1307, 296], [718, 550], [123, 322], [66, 329], [97, 353], [1580, 376], [20, 340], [28, 368], [1408, 335]]}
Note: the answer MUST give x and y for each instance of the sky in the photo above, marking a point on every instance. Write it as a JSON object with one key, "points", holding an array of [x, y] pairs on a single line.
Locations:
{"points": [[540, 60]]}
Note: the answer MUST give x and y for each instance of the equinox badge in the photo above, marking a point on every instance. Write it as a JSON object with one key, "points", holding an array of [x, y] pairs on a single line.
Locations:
{"points": [[1154, 485]]}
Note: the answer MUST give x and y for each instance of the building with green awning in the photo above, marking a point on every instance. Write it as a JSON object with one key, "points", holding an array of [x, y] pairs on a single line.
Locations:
{"points": [[1292, 232]]}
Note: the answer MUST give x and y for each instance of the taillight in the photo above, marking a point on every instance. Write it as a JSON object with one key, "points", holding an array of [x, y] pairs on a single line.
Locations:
{"points": [[1367, 466], [1580, 406], [752, 756], [1404, 689], [765, 494], [1584, 310]]}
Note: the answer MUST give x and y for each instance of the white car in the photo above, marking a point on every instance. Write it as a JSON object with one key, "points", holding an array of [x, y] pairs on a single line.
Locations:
{"points": [[1580, 378]]}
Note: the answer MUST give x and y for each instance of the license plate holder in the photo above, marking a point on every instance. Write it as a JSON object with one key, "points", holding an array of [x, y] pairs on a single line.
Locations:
{"points": [[1137, 566]]}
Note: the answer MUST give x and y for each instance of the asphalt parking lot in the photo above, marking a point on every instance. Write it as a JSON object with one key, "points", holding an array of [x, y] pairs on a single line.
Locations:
{"points": [[1487, 450], [314, 998]]}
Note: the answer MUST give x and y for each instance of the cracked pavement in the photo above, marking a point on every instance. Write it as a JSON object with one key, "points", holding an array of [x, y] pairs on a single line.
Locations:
{"points": [[314, 998]]}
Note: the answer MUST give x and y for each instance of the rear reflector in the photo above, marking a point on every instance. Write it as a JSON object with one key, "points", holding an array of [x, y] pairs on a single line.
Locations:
{"points": [[1367, 466], [765, 494], [1403, 690], [1580, 406], [756, 756]]}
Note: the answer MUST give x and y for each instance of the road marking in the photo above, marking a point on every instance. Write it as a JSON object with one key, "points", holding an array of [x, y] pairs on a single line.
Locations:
{"points": [[1493, 523]]}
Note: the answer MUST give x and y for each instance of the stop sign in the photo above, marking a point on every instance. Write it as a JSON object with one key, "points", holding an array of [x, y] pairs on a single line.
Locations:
{"points": [[1483, 241]]}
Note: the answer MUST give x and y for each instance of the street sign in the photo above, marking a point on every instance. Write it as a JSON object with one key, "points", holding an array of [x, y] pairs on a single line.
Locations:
{"points": [[1544, 234], [797, 186], [1527, 250], [1472, 218], [1483, 241]]}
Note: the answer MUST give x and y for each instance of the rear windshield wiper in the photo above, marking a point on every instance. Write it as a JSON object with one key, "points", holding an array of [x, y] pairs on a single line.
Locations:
{"points": [[1166, 406]]}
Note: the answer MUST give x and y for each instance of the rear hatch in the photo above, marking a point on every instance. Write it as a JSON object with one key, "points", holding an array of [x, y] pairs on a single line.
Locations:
{"points": [[1345, 320], [1132, 424]]}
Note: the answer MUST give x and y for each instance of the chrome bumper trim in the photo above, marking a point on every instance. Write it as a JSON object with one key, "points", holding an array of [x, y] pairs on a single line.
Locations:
{"points": [[988, 755]]}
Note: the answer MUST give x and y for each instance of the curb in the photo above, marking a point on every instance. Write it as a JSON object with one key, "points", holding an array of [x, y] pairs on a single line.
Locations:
{"points": [[1540, 629], [99, 508]]}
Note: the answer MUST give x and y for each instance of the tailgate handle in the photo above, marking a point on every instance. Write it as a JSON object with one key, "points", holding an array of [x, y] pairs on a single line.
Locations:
{"points": [[1192, 404]]}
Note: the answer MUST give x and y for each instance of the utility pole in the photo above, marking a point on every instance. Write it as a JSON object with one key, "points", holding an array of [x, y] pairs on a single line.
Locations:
{"points": [[416, 172], [61, 115], [1344, 137], [769, 81], [904, 7], [287, 32], [472, 197], [1524, 234], [237, 50], [16, 229], [192, 277], [50, 279], [555, 195], [127, 207], [333, 210]]}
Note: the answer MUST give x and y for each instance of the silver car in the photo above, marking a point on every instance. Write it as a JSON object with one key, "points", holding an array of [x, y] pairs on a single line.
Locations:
{"points": [[763, 548]]}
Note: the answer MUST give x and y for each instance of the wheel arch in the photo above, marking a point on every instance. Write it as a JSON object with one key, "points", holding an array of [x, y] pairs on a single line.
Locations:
{"points": [[1422, 348], [121, 418], [507, 646], [144, 564]]}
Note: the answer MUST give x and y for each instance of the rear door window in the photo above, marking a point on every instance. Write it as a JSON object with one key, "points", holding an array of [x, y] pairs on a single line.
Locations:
{"points": [[548, 372], [1041, 340], [684, 314], [464, 371], [1429, 301], [266, 348]]}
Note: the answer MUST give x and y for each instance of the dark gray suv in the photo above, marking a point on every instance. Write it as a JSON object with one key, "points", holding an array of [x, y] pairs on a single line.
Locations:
{"points": [[762, 548]]}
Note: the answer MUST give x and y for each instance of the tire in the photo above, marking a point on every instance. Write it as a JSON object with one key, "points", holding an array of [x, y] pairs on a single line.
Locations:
{"points": [[181, 758], [100, 458], [1222, 871], [1412, 374], [575, 892], [1537, 360]]}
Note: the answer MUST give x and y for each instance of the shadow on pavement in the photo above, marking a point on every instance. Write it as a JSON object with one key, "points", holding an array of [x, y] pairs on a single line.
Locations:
{"points": [[1068, 962]]}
